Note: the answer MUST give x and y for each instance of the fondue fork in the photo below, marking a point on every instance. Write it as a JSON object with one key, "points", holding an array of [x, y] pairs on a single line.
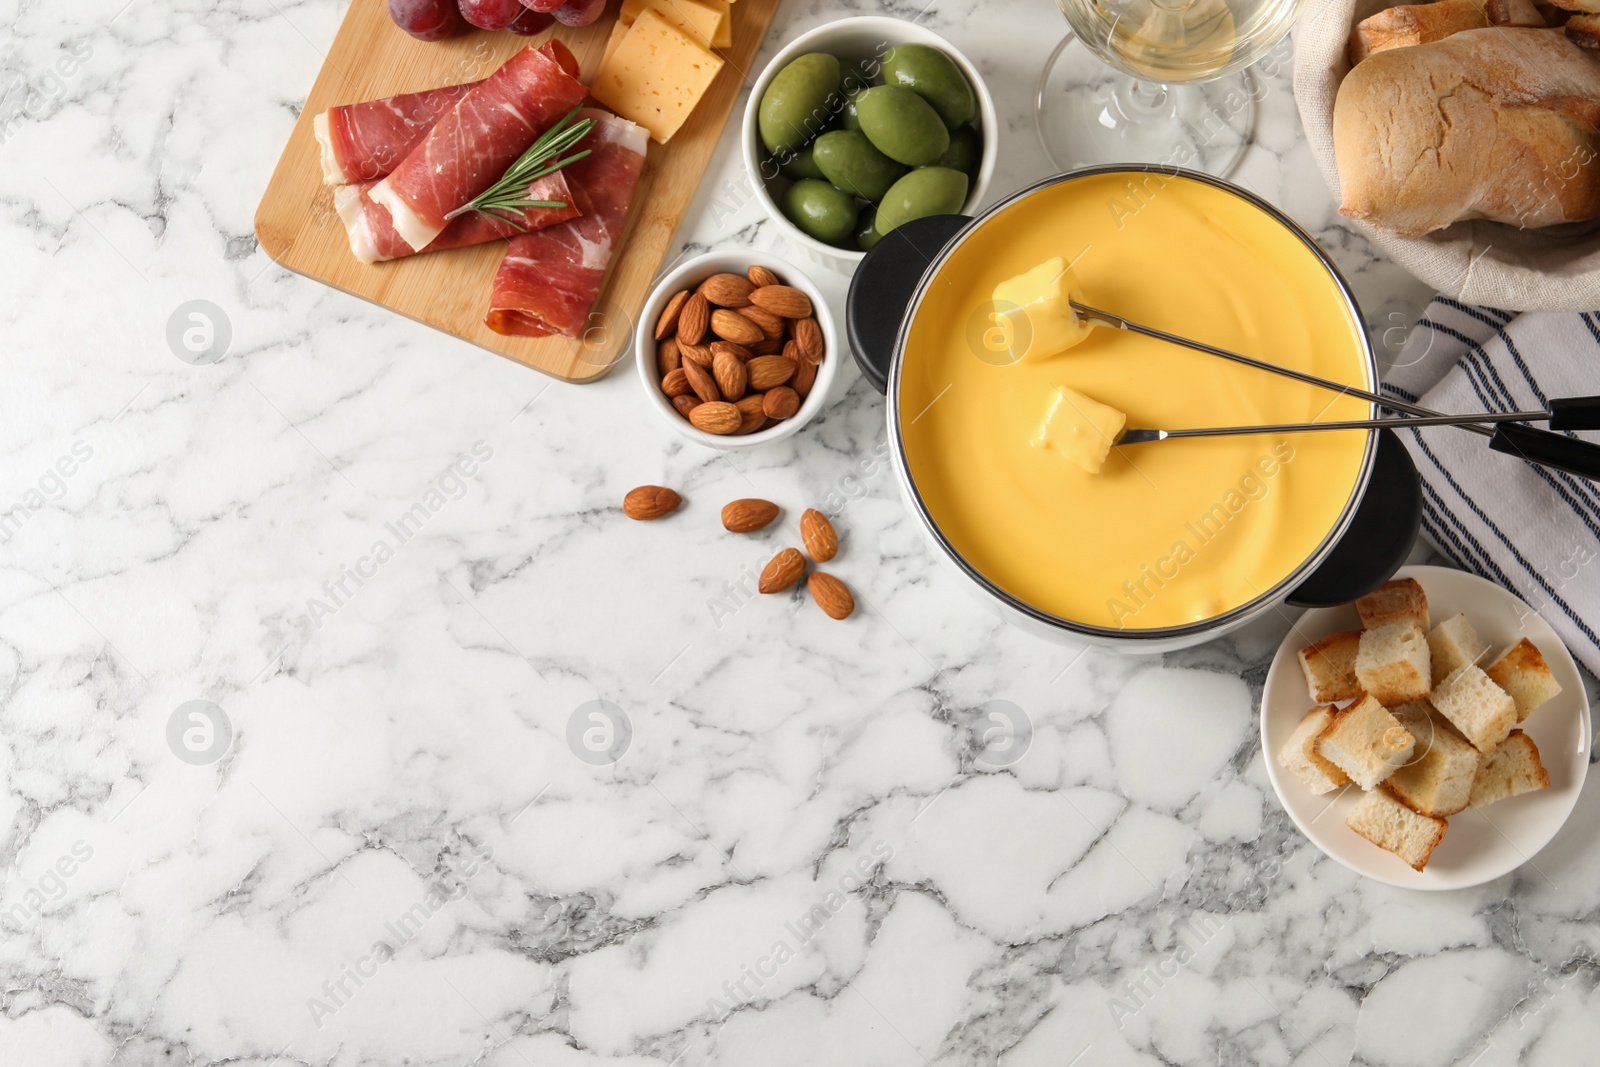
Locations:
{"points": [[1566, 413]]}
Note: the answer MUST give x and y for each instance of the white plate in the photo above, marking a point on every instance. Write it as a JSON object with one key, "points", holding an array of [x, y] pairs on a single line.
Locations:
{"points": [[1480, 844]]}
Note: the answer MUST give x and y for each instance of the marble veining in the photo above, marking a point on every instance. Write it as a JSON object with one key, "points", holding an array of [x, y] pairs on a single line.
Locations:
{"points": [[346, 722]]}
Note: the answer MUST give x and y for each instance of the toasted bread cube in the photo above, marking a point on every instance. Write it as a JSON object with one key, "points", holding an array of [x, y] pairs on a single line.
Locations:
{"points": [[1365, 742], [1451, 644], [1393, 664], [1481, 710], [1299, 755], [1522, 672], [1438, 779], [1510, 770], [1330, 667], [1392, 826], [1393, 601]]}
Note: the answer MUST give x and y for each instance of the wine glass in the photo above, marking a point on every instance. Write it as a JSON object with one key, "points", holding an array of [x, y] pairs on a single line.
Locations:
{"points": [[1157, 81]]}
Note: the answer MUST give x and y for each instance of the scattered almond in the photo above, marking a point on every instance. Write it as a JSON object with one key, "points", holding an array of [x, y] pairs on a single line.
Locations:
{"points": [[727, 290], [669, 315], [693, 319], [782, 571], [685, 403], [700, 380], [650, 502], [783, 300], [728, 369], [748, 515], [768, 371], [732, 326], [780, 402], [818, 534], [831, 595], [676, 382], [716, 416], [760, 276], [700, 354], [668, 358], [772, 326], [809, 334]]}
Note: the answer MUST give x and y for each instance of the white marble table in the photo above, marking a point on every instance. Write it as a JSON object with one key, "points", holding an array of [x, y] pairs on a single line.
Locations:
{"points": [[391, 854]]}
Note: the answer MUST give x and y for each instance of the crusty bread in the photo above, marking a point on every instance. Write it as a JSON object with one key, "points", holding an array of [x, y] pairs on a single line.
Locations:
{"points": [[1392, 662], [1390, 825], [1438, 778], [1365, 742], [1523, 673], [1583, 30], [1393, 601], [1509, 770], [1330, 667], [1481, 710], [1498, 123], [1451, 644], [1409, 24], [1299, 755]]}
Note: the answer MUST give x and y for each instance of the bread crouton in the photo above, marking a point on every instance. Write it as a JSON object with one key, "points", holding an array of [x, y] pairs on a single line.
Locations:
{"points": [[1299, 755], [1365, 742], [1481, 710], [1393, 664], [1512, 769], [1401, 598], [1523, 673], [1390, 825], [1451, 644], [1438, 778], [1330, 667]]}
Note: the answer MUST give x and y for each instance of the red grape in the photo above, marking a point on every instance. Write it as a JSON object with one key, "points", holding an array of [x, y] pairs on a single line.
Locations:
{"points": [[530, 22], [542, 5], [579, 12], [491, 14], [426, 20]]}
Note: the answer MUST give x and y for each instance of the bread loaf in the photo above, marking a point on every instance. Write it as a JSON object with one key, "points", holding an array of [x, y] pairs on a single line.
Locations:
{"points": [[1500, 123], [1409, 24]]}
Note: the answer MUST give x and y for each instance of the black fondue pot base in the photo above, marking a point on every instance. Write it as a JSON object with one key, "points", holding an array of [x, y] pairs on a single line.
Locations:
{"points": [[882, 288], [1379, 537]]}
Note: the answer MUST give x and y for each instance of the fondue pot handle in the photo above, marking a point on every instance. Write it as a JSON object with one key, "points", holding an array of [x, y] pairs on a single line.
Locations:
{"points": [[883, 286], [1380, 535]]}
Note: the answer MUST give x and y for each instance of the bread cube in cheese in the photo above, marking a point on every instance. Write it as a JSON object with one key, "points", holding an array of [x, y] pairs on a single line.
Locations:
{"points": [[1079, 428], [656, 76], [1037, 304]]}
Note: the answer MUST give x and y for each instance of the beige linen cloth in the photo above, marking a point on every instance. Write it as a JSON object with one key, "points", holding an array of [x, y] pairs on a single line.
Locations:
{"points": [[1477, 262]]}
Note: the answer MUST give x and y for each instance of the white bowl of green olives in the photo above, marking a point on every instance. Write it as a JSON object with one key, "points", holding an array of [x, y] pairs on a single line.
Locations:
{"points": [[862, 124]]}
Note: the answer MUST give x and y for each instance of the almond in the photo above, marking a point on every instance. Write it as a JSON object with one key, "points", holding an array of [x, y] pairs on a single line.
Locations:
{"points": [[804, 377], [700, 354], [737, 351], [751, 421], [729, 371], [791, 349], [693, 319], [668, 358], [676, 382], [727, 290], [770, 346], [715, 416], [809, 335], [650, 502], [772, 326], [732, 326], [818, 534], [685, 403], [784, 301], [780, 402], [747, 515], [669, 315], [831, 595], [760, 276], [700, 380], [782, 571], [768, 371]]}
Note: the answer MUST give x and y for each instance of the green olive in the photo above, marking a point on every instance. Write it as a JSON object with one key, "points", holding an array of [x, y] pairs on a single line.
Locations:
{"points": [[848, 160], [867, 233], [965, 151], [934, 76], [799, 102], [801, 163], [902, 125], [850, 116], [820, 210], [925, 191]]}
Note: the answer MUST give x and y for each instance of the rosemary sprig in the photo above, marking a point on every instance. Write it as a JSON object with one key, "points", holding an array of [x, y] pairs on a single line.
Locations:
{"points": [[507, 198]]}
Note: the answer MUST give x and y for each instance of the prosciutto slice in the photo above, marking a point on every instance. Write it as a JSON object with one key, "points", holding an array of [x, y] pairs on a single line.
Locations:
{"points": [[373, 238], [364, 142], [549, 281], [471, 146]]}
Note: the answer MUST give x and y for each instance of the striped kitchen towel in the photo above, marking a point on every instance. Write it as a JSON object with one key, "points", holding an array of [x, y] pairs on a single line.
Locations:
{"points": [[1534, 531]]}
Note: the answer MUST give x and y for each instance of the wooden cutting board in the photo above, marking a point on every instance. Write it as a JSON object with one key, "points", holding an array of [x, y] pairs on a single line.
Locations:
{"points": [[370, 58]]}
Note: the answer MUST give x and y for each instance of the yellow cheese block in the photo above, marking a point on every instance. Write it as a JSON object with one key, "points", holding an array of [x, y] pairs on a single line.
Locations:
{"points": [[619, 30], [701, 22], [1078, 428], [1039, 320], [724, 37], [655, 76]]}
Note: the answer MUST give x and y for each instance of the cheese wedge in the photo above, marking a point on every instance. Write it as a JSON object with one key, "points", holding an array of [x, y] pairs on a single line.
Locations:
{"points": [[1079, 428], [655, 76], [619, 30], [1040, 320]]}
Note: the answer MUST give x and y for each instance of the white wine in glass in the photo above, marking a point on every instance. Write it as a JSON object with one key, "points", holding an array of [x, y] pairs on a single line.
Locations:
{"points": [[1157, 81]]}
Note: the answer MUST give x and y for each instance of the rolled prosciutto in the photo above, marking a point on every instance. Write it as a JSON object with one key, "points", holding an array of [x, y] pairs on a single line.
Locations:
{"points": [[374, 240], [471, 146], [363, 142], [549, 280]]}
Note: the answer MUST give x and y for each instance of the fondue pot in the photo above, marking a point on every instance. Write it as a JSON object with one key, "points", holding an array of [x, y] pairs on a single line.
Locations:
{"points": [[1371, 537]]}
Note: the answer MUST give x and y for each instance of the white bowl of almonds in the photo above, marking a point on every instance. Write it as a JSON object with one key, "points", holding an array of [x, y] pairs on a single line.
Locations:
{"points": [[736, 348]]}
